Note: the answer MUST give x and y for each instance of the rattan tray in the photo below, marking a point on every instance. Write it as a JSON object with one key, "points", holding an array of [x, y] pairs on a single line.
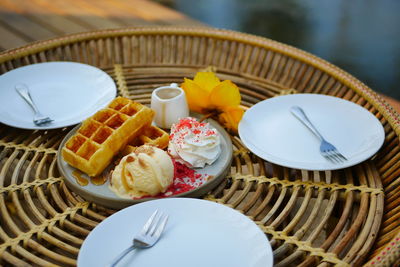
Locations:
{"points": [[347, 217]]}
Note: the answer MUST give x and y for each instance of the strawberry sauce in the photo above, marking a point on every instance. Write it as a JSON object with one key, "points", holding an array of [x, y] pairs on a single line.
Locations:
{"points": [[185, 179]]}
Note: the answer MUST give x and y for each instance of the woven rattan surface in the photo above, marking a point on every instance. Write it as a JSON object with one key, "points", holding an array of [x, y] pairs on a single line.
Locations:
{"points": [[346, 217]]}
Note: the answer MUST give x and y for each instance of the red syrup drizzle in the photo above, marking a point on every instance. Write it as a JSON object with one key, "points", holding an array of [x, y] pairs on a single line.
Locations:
{"points": [[185, 179]]}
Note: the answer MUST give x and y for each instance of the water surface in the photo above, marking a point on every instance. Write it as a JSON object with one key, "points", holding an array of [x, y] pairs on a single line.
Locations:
{"points": [[359, 36]]}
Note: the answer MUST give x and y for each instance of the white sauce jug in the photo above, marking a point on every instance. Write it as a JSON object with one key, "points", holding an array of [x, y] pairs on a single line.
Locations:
{"points": [[169, 104]]}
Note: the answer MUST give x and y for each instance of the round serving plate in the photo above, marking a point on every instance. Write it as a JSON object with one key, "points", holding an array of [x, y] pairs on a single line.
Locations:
{"points": [[67, 92], [271, 132], [198, 233], [102, 194]]}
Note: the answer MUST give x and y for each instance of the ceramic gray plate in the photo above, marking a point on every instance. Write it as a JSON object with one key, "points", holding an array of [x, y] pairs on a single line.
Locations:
{"points": [[101, 194]]}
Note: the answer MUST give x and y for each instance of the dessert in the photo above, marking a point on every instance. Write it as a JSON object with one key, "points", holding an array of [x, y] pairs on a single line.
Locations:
{"points": [[118, 144], [103, 135], [147, 171], [194, 143], [151, 135], [185, 179]]}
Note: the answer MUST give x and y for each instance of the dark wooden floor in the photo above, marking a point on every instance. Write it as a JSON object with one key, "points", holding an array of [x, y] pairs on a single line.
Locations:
{"points": [[25, 21]]}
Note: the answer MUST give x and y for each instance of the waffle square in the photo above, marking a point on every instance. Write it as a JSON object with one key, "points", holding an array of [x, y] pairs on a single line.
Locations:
{"points": [[103, 135], [150, 135]]}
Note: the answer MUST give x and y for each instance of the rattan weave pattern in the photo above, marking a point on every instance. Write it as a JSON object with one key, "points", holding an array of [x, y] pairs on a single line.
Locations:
{"points": [[342, 217]]}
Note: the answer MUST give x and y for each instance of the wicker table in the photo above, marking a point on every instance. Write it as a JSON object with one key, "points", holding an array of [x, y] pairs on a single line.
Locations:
{"points": [[346, 217]]}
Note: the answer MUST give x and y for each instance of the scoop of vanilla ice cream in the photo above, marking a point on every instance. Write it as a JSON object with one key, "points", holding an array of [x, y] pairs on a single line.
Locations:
{"points": [[194, 143], [147, 171]]}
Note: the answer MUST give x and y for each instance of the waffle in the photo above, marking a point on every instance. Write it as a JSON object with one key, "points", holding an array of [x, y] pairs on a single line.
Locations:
{"points": [[104, 134], [151, 135]]}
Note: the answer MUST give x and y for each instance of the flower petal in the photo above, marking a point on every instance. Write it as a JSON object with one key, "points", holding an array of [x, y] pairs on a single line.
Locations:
{"points": [[206, 80], [231, 117], [225, 94], [196, 96]]}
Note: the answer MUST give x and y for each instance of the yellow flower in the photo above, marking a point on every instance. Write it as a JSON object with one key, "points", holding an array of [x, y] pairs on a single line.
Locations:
{"points": [[206, 94]]}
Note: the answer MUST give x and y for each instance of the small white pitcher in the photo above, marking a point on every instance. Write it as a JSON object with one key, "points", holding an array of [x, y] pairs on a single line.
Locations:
{"points": [[169, 103]]}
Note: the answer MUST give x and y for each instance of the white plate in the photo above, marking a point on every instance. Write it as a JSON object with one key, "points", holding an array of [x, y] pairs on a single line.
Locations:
{"points": [[67, 92], [271, 132], [198, 233], [103, 195]]}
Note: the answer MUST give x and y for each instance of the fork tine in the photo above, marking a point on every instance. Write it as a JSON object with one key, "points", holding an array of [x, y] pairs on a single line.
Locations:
{"points": [[146, 227], [329, 157], [161, 226], [340, 155], [155, 225], [337, 155], [334, 156], [339, 158]]}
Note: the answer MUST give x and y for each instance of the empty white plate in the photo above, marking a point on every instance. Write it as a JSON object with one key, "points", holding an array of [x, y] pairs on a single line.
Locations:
{"points": [[67, 92], [271, 132], [198, 233]]}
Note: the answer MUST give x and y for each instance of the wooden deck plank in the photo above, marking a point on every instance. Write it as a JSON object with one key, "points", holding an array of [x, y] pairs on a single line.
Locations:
{"points": [[90, 17], [9, 39], [53, 8], [37, 11], [146, 10], [122, 15], [21, 23], [26, 21], [152, 12]]}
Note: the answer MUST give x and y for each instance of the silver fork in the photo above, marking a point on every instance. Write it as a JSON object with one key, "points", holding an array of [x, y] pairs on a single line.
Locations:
{"points": [[327, 150], [148, 236], [38, 118]]}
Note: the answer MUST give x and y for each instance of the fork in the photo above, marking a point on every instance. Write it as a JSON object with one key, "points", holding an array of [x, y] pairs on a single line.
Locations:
{"points": [[148, 236], [38, 118], [326, 149]]}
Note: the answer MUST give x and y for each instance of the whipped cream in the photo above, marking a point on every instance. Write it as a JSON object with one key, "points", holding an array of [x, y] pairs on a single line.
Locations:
{"points": [[194, 143]]}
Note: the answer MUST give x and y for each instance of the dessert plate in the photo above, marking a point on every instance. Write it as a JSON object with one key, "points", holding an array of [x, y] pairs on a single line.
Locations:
{"points": [[103, 195], [67, 92], [198, 233], [270, 131]]}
